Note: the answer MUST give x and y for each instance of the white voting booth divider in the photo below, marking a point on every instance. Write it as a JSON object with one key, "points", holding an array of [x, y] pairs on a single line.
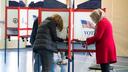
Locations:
{"points": [[73, 29], [18, 27], [65, 16], [19, 23], [80, 31], [20, 20]]}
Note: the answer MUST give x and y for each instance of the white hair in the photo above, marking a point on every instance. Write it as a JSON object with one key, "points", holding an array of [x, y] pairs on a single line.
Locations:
{"points": [[100, 12]]}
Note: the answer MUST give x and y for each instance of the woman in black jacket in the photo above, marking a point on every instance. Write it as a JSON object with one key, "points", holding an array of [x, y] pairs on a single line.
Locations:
{"points": [[45, 42]]}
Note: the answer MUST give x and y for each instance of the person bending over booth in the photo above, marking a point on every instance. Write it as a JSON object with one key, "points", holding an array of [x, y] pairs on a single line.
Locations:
{"points": [[45, 41]]}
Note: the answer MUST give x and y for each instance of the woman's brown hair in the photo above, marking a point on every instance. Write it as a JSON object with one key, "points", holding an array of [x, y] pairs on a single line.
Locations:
{"points": [[59, 21]]}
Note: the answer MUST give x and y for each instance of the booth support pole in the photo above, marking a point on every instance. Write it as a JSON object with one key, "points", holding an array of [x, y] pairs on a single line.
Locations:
{"points": [[69, 41], [72, 39], [5, 36], [18, 34]]}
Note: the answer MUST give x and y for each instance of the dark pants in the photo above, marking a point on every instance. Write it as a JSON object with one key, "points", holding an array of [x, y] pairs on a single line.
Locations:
{"points": [[105, 67], [46, 60]]}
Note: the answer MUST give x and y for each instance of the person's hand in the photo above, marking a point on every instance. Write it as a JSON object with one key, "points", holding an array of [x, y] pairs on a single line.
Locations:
{"points": [[35, 50], [66, 39], [84, 44], [61, 40], [77, 40], [90, 25]]}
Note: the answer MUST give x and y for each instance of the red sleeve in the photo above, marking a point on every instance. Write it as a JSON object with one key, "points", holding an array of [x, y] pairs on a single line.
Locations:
{"points": [[98, 34]]}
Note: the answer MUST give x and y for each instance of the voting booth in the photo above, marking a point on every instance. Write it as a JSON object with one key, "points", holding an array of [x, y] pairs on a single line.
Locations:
{"points": [[19, 23]]}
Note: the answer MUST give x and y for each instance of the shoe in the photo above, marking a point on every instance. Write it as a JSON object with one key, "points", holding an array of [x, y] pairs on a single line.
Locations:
{"points": [[62, 62]]}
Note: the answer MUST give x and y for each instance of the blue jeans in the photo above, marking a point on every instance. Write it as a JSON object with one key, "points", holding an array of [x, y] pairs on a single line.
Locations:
{"points": [[37, 62]]}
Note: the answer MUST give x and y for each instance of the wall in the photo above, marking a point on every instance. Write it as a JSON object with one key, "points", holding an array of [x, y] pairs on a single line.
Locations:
{"points": [[2, 8], [120, 20], [117, 12]]}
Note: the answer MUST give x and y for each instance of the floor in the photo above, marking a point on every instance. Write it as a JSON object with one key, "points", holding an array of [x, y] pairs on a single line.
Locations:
{"points": [[81, 62]]}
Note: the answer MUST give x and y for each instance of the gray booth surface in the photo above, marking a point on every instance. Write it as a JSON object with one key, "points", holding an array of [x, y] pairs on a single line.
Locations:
{"points": [[76, 46]]}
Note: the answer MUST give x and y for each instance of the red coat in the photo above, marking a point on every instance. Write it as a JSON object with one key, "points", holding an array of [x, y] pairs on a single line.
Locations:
{"points": [[105, 46]]}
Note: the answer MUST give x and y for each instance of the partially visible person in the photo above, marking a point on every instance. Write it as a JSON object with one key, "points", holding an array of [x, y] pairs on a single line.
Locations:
{"points": [[103, 39], [46, 38], [36, 56]]}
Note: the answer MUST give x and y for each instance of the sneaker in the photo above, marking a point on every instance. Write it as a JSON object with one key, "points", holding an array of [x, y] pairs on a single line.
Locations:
{"points": [[62, 62]]}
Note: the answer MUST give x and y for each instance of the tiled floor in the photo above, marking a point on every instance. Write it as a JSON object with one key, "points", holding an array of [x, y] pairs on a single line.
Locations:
{"points": [[82, 62]]}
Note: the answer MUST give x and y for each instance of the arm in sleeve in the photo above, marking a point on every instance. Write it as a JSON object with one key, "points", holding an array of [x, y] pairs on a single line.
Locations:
{"points": [[52, 27], [98, 34], [34, 31]]}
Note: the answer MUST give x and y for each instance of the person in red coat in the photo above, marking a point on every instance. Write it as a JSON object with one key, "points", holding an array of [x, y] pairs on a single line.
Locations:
{"points": [[103, 39]]}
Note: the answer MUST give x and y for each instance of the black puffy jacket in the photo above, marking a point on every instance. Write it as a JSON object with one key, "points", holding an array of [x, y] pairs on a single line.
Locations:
{"points": [[46, 36]]}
